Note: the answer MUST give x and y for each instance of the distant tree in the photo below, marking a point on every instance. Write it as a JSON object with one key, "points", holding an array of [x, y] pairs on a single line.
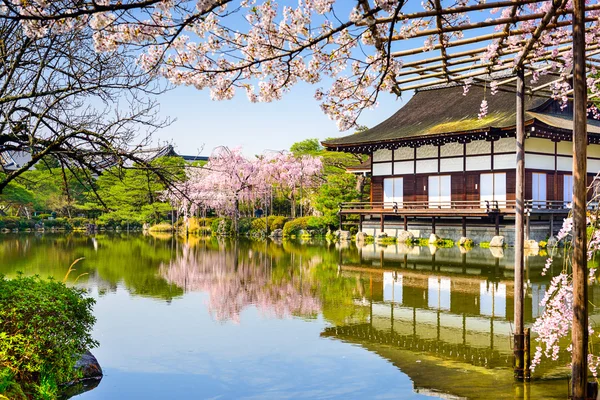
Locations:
{"points": [[136, 194], [333, 162], [337, 189], [18, 199], [230, 180]]}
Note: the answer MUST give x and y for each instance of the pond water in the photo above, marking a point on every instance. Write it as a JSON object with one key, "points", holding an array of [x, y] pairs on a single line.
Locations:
{"points": [[208, 318]]}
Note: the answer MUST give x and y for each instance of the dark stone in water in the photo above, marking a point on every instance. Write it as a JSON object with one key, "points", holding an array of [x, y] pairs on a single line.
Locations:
{"points": [[90, 376], [88, 366]]}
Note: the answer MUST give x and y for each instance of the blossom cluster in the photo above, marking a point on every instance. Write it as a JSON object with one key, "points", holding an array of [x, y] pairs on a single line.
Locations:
{"points": [[229, 179], [264, 48]]}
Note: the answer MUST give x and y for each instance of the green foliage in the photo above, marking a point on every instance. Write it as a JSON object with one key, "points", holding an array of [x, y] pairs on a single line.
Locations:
{"points": [[199, 226], [444, 243], [337, 189], [319, 225], [484, 245], [543, 244], [244, 226], [162, 227], [387, 240], [44, 328], [275, 222], [135, 195], [16, 223], [468, 244], [222, 226], [334, 162]]}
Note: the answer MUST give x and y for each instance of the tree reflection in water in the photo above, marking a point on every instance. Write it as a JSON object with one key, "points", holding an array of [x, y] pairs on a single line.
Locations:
{"points": [[235, 282]]}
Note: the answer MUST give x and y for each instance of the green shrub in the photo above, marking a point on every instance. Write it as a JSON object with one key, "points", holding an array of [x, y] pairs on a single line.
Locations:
{"points": [[44, 328], [468, 244], [201, 226], [162, 227], [484, 245], [222, 226], [444, 243], [78, 222], [543, 244], [318, 225], [16, 223], [244, 225], [61, 223], [275, 222]]}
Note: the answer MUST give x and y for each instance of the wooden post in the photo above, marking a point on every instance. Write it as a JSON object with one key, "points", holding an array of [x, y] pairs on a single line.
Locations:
{"points": [[497, 223], [551, 225], [519, 226], [579, 369], [527, 354], [433, 225], [405, 223], [464, 226], [381, 226], [360, 222]]}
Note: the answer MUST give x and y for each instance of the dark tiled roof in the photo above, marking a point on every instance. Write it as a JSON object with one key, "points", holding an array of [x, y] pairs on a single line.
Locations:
{"points": [[445, 110]]}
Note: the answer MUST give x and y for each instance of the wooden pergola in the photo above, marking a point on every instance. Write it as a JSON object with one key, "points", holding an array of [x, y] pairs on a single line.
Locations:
{"points": [[529, 38]]}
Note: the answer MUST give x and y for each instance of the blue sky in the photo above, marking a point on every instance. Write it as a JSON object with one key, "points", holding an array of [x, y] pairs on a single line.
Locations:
{"points": [[202, 124]]}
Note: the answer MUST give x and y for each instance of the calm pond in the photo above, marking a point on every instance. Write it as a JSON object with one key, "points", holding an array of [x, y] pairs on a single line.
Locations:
{"points": [[208, 318]]}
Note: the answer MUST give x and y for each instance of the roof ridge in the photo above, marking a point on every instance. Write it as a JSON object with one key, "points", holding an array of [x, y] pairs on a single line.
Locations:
{"points": [[487, 78]]}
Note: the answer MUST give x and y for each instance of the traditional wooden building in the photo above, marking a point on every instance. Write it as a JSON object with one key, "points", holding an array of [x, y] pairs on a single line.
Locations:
{"points": [[435, 157]]}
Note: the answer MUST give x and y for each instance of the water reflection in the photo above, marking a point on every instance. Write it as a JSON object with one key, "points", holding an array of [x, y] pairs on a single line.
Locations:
{"points": [[441, 316], [236, 281]]}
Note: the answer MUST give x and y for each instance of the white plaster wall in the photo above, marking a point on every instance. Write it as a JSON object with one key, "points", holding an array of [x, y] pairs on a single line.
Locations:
{"points": [[382, 155], [538, 161], [479, 147], [452, 149], [404, 153], [451, 164], [404, 167], [565, 163], [382, 169], [505, 161], [479, 163], [539, 145], [593, 166], [565, 148], [505, 145], [426, 166], [427, 151]]}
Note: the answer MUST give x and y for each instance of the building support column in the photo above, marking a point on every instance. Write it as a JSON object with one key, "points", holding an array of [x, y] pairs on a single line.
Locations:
{"points": [[518, 346], [579, 334], [497, 224], [464, 226], [360, 223], [405, 223], [381, 226], [433, 225]]}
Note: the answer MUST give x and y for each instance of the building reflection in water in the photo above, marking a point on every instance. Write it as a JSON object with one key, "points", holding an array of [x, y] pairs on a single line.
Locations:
{"points": [[445, 310]]}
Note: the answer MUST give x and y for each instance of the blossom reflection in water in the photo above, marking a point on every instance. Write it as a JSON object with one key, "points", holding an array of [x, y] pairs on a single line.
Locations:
{"points": [[235, 282]]}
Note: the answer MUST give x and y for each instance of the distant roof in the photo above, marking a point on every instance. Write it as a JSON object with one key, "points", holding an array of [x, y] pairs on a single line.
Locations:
{"points": [[365, 166], [194, 158], [445, 110], [13, 160]]}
